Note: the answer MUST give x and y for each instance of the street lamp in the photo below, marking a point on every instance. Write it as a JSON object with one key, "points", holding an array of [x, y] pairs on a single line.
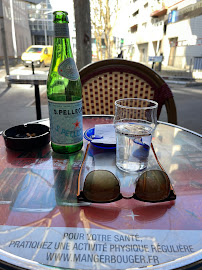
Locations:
{"points": [[45, 31], [38, 7], [13, 30]]}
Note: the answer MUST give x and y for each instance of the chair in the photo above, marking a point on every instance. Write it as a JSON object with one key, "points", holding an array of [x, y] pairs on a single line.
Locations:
{"points": [[105, 81]]}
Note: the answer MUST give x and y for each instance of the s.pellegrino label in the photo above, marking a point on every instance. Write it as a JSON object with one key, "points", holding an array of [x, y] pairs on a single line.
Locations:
{"points": [[66, 122], [68, 69]]}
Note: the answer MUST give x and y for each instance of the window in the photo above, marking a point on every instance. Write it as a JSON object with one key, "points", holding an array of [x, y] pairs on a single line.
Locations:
{"points": [[136, 13], [164, 29], [40, 26], [35, 50], [133, 29], [144, 25], [50, 26]]}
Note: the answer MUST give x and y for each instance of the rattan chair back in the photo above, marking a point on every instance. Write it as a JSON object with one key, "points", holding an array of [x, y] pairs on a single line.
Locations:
{"points": [[105, 81]]}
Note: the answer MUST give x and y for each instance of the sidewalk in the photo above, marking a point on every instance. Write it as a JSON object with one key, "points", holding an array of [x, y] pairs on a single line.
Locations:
{"points": [[177, 76]]}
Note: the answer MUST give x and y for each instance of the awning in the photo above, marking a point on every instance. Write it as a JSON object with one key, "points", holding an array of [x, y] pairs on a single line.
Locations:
{"points": [[158, 13], [134, 27]]}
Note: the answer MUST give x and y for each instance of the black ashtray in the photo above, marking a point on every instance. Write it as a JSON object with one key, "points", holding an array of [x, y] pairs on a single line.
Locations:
{"points": [[26, 137]]}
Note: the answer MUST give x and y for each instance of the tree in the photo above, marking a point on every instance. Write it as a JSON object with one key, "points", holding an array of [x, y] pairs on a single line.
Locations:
{"points": [[83, 32], [103, 19]]}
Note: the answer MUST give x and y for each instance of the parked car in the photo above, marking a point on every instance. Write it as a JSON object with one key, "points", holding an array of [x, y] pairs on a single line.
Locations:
{"points": [[40, 55]]}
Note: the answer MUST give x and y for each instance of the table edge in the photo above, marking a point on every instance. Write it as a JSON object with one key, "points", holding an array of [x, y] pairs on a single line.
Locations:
{"points": [[8, 259], [111, 116]]}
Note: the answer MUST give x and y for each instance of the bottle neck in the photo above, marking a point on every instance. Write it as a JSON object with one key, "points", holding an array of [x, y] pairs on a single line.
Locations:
{"points": [[61, 44]]}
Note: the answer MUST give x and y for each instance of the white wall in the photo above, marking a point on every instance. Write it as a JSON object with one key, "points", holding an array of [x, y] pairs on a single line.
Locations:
{"points": [[188, 32]]}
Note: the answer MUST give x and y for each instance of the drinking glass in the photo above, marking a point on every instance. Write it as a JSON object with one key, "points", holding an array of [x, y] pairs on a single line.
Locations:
{"points": [[135, 120]]}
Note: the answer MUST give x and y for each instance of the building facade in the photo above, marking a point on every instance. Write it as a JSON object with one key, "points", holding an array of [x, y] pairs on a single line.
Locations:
{"points": [[171, 29], [41, 23], [26, 23], [15, 33]]}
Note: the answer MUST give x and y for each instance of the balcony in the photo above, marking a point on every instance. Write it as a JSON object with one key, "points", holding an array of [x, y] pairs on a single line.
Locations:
{"points": [[134, 28], [159, 12]]}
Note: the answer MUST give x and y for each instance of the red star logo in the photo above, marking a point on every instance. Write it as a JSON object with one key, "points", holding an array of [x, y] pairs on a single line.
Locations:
{"points": [[76, 124]]}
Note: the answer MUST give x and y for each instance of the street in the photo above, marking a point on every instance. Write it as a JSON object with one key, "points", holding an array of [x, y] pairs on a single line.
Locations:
{"points": [[17, 102], [188, 102]]}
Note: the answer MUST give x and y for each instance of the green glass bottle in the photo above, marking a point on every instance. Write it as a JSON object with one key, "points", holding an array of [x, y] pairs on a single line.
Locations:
{"points": [[64, 92]]}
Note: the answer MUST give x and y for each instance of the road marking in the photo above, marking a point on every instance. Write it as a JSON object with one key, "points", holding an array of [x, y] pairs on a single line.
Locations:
{"points": [[195, 91], [187, 92], [33, 100]]}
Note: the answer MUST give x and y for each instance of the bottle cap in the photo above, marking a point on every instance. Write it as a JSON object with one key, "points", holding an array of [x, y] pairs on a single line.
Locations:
{"points": [[60, 17]]}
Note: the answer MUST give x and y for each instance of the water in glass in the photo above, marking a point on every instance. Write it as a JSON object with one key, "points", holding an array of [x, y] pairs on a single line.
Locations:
{"points": [[133, 144]]}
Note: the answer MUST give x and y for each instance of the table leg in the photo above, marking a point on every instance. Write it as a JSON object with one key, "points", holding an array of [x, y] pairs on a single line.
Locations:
{"points": [[38, 102]]}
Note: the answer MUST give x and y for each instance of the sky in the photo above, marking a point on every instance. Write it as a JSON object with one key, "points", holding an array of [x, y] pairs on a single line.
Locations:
{"points": [[62, 5], [121, 28]]}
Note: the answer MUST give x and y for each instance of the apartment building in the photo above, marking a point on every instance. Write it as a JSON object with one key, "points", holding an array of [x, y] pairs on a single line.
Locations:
{"points": [[170, 28], [184, 36]]}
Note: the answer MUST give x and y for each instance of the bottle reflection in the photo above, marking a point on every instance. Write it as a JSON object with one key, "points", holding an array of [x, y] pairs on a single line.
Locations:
{"points": [[66, 181]]}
